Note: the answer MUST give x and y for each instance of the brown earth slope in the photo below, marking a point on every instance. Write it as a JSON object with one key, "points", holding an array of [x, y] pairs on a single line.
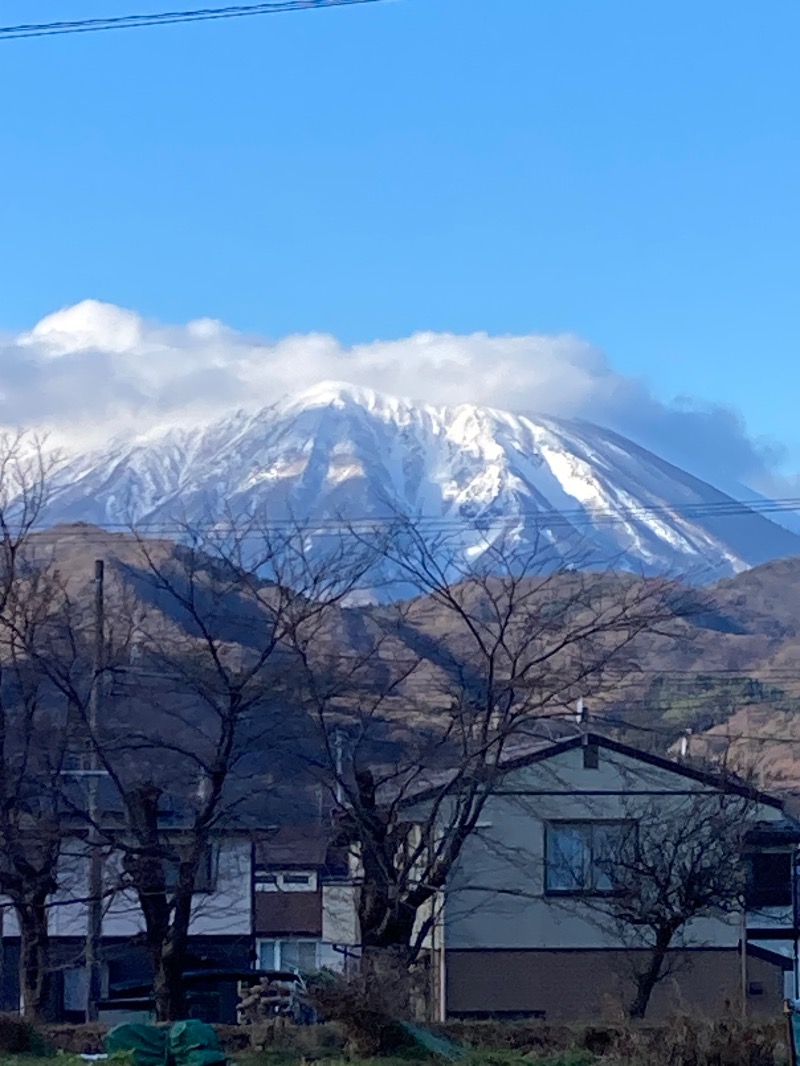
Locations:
{"points": [[728, 662]]}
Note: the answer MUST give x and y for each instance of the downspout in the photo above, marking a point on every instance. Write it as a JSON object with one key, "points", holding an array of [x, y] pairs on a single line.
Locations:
{"points": [[743, 963], [253, 949], [442, 967]]}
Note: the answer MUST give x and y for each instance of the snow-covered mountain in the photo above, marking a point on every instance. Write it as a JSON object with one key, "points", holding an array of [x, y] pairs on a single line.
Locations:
{"points": [[472, 473]]}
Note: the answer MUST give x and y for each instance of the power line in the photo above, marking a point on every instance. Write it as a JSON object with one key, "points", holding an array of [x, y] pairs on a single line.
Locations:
{"points": [[551, 516], [168, 18], [601, 719]]}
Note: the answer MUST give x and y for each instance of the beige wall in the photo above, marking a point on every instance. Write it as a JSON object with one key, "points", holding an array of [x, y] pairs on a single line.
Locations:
{"points": [[339, 921]]}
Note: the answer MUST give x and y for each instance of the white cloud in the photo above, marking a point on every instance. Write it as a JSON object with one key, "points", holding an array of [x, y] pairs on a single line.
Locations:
{"points": [[95, 370]]}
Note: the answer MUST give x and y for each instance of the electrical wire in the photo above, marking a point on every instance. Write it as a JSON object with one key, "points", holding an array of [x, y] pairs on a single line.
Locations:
{"points": [[167, 18], [545, 517], [603, 720]]}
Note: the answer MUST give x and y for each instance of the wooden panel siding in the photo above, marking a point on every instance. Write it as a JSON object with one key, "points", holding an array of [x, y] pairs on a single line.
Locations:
{"points": [[567, 986], [288, 914]]}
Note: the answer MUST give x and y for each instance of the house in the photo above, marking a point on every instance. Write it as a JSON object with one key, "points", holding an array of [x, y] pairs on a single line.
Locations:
{"points": [[516, 933], [267, 898], [518, 930], [221, 929], [304, 914], [522, 928]]}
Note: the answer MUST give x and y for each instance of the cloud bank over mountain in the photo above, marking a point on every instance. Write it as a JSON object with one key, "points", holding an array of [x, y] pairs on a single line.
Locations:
{"points": [[96, 370]]}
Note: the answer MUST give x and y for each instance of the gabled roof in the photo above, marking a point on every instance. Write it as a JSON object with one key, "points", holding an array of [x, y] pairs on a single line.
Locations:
{"points": [[294, 846], [302, 846], [539, 750]]}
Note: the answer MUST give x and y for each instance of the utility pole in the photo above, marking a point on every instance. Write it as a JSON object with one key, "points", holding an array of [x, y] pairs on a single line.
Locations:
{"points": [[94, 923], [338, 752]]}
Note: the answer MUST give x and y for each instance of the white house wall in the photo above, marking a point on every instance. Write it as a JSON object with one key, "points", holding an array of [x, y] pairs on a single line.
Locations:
{"points": [[228, 910], [10, 926], [770, 917], [224, 912], [68, 910], [496, 894]]}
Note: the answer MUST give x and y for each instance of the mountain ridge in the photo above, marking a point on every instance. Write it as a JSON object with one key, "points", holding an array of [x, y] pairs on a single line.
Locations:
{"points": [[480, 475]]}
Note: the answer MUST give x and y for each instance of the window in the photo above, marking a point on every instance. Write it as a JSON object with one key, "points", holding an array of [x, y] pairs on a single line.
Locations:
{"points": [[297, 880], [580, 856], [286, 881], [301, 955], [75, 990], [206, 879], [769, 880]]}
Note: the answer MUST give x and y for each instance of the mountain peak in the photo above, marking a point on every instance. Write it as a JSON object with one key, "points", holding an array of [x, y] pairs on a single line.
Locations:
{"points": [[479, 475], [341, 393]]}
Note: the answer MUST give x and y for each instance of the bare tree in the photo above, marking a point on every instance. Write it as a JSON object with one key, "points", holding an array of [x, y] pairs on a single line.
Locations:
{"points": [[33, 741], [197, 697], [678, 863], [33, 733], [472, 671], [243, 646]]}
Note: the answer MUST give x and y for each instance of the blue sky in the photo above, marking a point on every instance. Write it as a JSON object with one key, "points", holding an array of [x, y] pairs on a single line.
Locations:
{"points": [[624, 171]]}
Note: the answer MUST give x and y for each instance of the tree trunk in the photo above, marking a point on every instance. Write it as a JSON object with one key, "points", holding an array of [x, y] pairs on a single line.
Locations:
{"points": [[170, 947], [166, 920], [34, 958], [168, 991], [369, 1008], [386, 979], [647, 980]]}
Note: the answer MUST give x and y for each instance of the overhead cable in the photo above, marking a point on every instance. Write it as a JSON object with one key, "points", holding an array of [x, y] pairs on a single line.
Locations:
{"points": [[168, 18]]}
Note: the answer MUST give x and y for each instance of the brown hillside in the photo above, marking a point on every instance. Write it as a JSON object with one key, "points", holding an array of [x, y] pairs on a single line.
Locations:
{"points": [[728, 661]]}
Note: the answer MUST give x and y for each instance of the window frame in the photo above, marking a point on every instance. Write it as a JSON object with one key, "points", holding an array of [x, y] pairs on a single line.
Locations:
{"points": [[286, 881], [277, 943], [584, 824]]}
